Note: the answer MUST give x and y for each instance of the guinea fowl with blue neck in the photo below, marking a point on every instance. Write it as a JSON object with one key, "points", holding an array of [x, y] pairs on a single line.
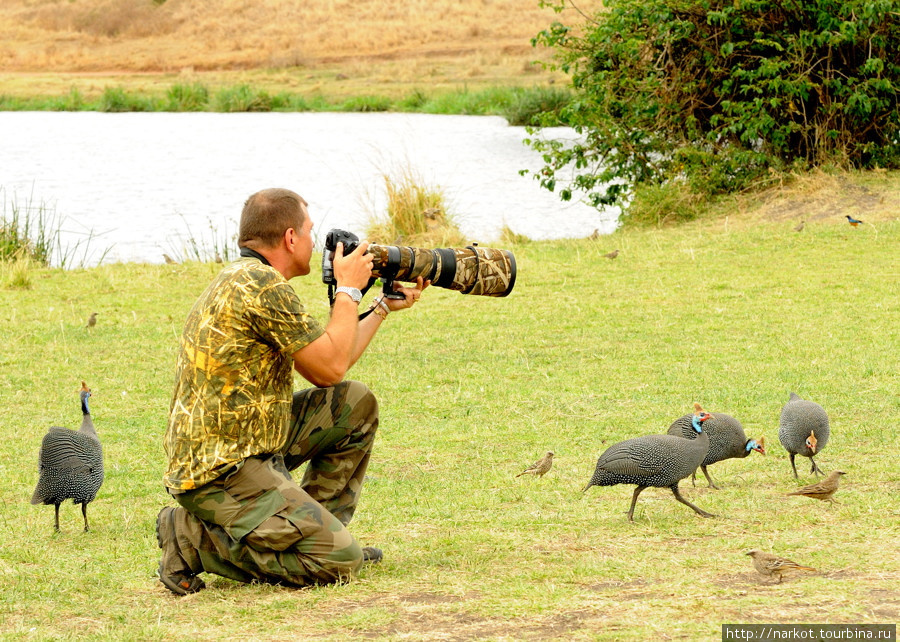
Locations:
{"points": [[726, 440], [659, 461], [70, 463]]}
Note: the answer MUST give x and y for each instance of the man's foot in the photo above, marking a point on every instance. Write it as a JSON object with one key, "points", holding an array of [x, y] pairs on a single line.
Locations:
{"points": [[174, 572], [371, 555]]}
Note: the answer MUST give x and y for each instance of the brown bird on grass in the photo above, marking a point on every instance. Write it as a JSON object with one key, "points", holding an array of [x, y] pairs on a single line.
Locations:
{"points": [[92, 320], [773, 566], [611, 255], [169, 260], [540, 467], [800, 226], [822, 490]]}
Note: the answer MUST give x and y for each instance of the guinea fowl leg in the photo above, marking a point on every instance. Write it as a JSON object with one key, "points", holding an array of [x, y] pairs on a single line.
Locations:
{"points": [[57, 517], [637, 491], [84, 512], [794, 466], [678, 496], [712, 484], [815, 470]]}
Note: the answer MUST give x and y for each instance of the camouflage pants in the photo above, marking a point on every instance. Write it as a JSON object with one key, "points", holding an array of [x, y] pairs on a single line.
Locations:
{"points": [[256, 523]]}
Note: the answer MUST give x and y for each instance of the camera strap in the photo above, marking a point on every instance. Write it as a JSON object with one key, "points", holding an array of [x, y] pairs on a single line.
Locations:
{"points": [[364, 290], [248, 253]]}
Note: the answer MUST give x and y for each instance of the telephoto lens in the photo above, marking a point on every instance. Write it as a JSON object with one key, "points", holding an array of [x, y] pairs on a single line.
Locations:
{"points": [[470, 270]]}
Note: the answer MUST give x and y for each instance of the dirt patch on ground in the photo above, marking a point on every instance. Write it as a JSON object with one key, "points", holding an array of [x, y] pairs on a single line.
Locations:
{"points": [[458, 627], [820, 197], [434, 616]]}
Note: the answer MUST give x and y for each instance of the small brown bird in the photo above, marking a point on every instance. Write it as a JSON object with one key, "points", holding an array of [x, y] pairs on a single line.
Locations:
{"points": [[169, 260], [92, 320], [595, 234], [611, 255], [772, 565], [800, 226], [822, 490], [540, 467]]}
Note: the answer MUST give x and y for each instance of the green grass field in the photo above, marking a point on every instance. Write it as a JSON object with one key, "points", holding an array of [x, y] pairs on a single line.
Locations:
{"points": [[585, 352]]}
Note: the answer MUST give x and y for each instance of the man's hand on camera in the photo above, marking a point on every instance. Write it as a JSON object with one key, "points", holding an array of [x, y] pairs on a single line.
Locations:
{"points": [[355, 269]]}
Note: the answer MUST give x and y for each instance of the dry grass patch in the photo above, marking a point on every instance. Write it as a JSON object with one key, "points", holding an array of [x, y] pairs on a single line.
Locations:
{"points": [[820, 197], [142, 35]]}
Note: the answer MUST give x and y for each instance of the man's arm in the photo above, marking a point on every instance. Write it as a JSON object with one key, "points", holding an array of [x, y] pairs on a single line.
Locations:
{"points": [[364, 331], [369, 326], [325, 361]]}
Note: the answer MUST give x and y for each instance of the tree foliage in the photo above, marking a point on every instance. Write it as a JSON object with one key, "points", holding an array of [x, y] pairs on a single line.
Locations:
{"points": [[721, 94]]}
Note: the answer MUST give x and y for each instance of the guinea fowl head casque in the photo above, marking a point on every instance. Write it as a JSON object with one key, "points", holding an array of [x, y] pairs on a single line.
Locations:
{"points": [[811, 441], [700, 415]]}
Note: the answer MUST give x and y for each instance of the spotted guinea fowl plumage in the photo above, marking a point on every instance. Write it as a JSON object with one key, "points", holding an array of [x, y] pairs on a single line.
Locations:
{"points": [[726, 440], [659, 461], [803, 430], [70, 463]]}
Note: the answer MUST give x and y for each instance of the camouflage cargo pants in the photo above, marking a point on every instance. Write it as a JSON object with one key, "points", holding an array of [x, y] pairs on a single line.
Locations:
{"points": [[257, 523]]}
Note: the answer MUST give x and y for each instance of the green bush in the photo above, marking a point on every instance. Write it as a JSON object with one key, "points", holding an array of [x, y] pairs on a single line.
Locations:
{"points": [[471, 103], [73, 101], [724, 95], [367, 104], [116, 99], [193, 97], [413, 101], [12, 103], [537, 106], [242, 98]]}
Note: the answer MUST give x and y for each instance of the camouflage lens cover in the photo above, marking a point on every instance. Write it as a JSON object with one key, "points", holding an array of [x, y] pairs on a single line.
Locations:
{"points": [[470, 270]]}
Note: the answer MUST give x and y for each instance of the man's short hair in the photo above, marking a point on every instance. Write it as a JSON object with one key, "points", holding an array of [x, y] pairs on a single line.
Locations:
{"points": [[268, 214]]}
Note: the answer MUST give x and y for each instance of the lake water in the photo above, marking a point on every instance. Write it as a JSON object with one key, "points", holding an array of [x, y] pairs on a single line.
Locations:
{"points": [[138, 185]]}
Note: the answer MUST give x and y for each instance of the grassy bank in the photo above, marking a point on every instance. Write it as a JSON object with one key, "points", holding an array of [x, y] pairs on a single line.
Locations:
{"points": [[587, 351], [517, 104]]}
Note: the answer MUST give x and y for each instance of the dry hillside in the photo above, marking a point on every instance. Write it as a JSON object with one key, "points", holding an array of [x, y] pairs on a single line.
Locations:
{"points": [[171, 35]]}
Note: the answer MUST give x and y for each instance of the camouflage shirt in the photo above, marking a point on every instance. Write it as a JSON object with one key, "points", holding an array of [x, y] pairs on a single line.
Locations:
{"points": [[234, 373]]}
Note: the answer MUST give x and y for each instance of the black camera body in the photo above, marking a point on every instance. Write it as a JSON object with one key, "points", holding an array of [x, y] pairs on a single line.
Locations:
{"points": [[335, 236]]}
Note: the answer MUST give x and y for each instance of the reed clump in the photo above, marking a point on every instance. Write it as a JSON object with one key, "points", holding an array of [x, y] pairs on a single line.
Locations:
{"points": [[25, 232], [31, 235], [416, 213]]}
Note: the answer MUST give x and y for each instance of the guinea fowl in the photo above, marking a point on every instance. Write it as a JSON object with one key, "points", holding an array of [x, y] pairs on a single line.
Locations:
{"points": [[803, 430], [726, 440], [660, 461], [70, 463]]}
